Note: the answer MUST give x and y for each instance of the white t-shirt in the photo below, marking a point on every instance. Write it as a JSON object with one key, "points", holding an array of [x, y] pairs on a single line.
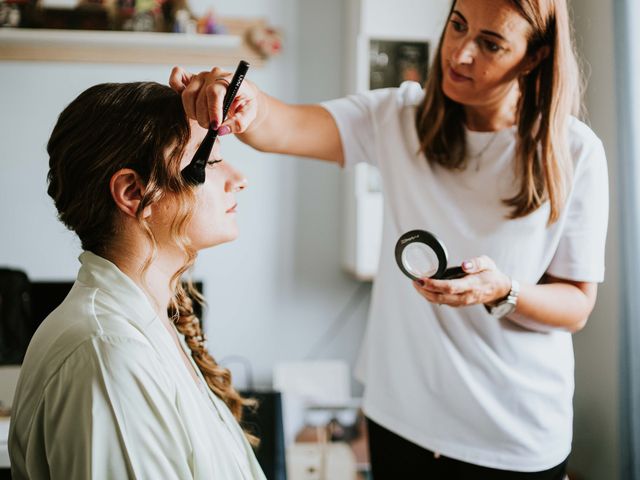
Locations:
{"points": [[104, 394], [456, 380]]}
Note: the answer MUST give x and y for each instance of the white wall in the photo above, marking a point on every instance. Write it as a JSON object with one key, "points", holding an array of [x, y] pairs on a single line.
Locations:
{"points": [[596, 430]]}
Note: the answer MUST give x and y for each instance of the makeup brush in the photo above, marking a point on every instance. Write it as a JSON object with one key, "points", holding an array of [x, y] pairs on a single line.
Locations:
{"points": [[194, 173]]}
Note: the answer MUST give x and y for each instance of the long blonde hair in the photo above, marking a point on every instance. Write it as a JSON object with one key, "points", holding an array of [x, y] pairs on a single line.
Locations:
{"points": [[550, 93], [112, 126]]}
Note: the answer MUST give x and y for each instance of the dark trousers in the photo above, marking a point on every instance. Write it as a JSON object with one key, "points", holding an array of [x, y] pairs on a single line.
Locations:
{"points": [[394, 458]]}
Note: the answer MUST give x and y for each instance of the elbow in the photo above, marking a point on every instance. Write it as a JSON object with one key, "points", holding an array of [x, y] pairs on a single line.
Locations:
{"points": [[579, 325], [588, 303], [582, 318]]}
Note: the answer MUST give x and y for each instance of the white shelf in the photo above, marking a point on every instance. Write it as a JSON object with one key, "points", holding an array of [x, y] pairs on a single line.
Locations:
{"points": [[123, 47]]}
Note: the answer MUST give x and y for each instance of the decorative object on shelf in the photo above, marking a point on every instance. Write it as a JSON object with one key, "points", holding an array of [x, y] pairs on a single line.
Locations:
{"points": [[9, 14], [265, 40], [83, 17], [178, 17], [208, 24], [183, 22], [17, 13], [91, 16], [137, 15]]}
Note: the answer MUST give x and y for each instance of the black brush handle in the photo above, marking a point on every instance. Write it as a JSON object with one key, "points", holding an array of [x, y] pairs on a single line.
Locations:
{"points": [[234, 86], [194, 173]]}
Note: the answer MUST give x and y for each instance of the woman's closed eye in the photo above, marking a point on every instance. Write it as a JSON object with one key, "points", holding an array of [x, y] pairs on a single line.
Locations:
{"points": [[458, 26], [213, 161]]}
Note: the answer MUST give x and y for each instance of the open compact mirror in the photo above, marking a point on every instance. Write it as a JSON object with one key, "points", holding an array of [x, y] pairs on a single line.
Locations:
{"points": [[420, 255]]}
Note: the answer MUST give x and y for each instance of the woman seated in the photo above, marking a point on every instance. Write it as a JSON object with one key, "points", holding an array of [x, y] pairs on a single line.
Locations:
{"points": [[117, 382]]}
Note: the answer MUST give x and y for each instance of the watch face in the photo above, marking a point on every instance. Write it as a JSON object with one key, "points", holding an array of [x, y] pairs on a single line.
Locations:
{"points": [[504, 308]]}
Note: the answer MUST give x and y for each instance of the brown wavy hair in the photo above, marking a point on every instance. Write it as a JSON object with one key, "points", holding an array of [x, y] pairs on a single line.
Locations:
{"points": [[141, 126], [549, 94]]}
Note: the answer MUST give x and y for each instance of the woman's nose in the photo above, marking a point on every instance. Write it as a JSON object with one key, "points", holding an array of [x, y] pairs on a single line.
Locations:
{"points": [[464, 52], [242, 184], [236, 181]]}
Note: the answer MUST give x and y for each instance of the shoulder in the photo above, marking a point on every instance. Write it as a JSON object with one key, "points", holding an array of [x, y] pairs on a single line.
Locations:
{"points": [[410, 94], [111, 355], [99, 356], [113, 367], [80, 328], [583, 142], [407, 95], [89, 312], [99, 366], [590, 169]]}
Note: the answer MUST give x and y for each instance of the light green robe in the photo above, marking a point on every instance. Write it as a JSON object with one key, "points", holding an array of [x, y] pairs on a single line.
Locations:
{"points": [[104, 394]]}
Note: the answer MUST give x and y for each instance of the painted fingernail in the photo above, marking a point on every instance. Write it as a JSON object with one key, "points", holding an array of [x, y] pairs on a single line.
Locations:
{"points": [[224, 130], [467, 265], [214, 125], [420, 282]]}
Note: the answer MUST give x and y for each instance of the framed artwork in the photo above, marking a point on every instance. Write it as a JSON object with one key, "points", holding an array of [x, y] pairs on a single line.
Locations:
{"points": [[392, 62]]}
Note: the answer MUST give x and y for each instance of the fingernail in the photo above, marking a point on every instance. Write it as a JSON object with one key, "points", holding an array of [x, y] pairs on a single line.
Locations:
{"points": [[467, 265], [214, 125], [420, 282], [224, 130]]}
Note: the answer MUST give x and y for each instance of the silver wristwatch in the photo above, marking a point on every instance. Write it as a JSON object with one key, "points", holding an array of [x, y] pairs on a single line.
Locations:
{"points": [[507, 305]]}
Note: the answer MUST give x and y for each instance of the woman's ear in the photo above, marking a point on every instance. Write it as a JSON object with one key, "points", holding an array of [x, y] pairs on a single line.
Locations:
{"points": [[533, 60], [127, 189]]}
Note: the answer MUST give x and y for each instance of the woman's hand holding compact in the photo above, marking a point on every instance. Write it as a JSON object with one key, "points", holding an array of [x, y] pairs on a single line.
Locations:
{"points": [[483, 284], [203, 94]]}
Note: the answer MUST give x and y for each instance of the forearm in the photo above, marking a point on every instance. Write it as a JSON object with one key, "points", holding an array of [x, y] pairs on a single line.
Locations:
{"points": [[555, 305], [302, 130], [260, 121]]}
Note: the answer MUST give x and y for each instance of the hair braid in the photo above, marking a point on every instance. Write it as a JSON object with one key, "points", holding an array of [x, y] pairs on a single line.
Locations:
{"points": [[217, 377]]}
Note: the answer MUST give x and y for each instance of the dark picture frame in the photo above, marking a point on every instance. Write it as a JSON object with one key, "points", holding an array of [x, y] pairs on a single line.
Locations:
{"points": [[392, 62]]}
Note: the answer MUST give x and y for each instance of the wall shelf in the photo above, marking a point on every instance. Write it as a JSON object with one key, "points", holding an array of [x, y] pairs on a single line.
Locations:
{"points": [[23, 44]]}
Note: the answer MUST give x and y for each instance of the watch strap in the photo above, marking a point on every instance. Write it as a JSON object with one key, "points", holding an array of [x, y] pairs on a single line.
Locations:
{"points": [[511, 299]]}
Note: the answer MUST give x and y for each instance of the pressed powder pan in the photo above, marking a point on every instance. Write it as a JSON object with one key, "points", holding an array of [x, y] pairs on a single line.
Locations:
{"points": [[420, 254]]}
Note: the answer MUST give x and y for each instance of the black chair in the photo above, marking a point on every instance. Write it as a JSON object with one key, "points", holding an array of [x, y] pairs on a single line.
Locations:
{"points": [[265, 422]]}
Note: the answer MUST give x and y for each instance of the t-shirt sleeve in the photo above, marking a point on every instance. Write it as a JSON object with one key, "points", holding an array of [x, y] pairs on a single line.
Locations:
{"points": [[110, 414], [581, 250], [355, 116]]}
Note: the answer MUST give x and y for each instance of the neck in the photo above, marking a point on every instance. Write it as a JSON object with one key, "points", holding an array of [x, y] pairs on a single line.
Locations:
{"points": [[495, 115], [156, 280]]}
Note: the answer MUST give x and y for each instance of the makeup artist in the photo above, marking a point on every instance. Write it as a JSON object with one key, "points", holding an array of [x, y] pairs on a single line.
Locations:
{"points": [[469, 378]]}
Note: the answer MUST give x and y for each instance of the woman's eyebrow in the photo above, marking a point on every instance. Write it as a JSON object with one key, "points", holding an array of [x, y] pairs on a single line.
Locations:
{"points": [[460, 15], [493, 34], [486, 32]]}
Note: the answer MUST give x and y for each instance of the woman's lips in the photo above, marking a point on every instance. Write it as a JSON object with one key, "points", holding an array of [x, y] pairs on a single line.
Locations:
{"points": [[457, 77], [232, 209]]}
